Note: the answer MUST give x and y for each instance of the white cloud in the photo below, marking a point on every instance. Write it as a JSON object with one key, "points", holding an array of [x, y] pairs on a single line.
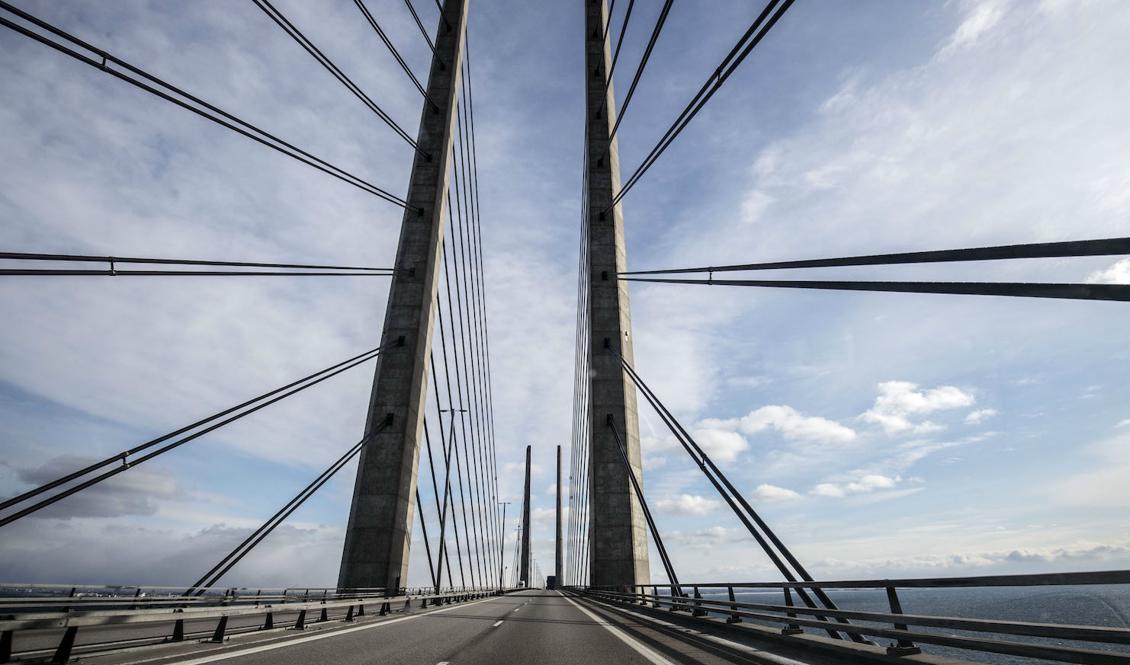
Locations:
{"points": [[754, 206], [722, 445], [551, 489], [979, 20], [827, 489], [862, 484], [688, 504], [1123, 423], [870, 483], [795, 426], [978, 416], [899, 400], [1116, 273], [767, 492]]}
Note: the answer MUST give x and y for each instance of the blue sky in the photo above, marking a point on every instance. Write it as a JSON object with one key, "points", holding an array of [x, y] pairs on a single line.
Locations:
{"points": [[880, 434]]}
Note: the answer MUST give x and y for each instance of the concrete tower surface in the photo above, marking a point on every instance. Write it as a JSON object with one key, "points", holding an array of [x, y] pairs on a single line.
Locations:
{"points": [[380, 519], [617, 531]]}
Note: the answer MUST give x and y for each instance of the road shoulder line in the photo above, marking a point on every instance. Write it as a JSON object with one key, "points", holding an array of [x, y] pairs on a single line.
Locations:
{"points": [[636, 645]]}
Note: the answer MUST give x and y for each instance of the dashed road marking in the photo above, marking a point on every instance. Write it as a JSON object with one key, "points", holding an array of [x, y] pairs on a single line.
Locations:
{"points": [[497, 623]]}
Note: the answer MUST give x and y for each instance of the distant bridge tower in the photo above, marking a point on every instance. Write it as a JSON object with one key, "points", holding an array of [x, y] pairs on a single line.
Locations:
{"points": [[558, 569], [380, 519], [524, 564], [617, 530]]}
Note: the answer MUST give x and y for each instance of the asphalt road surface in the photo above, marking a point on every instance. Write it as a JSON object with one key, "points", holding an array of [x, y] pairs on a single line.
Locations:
{"points": [[535, 627]]}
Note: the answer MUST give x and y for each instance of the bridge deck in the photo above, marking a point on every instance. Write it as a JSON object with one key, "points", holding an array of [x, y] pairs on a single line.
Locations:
{"points": [[534, 626]]}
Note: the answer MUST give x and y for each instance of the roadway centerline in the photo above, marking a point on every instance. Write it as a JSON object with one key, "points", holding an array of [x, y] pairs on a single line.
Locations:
{"points": [[497, 623], [640, 648], [321, 636]]}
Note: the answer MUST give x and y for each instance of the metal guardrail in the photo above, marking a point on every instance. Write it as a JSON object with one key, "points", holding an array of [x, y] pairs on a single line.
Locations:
{"points": [[54, 607], [794, 619]]}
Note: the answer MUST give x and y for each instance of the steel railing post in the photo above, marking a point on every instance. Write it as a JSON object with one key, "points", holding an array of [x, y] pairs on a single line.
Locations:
{"points": [[903, 647], [221, 629], [698, 611], [63, 653], [733, 618], [792, 628]]}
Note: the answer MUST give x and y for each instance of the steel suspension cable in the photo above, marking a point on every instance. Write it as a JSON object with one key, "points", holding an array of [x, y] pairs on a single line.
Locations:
{"points": [[114, 261], [453, 449], [659, 23], [37, 272], [424, 533], [450, 397], [471, 310], [752, 37], [462, 370], [122, 458], [676, 588], [392, 49], [444, 554], [439, 416], [210, 578], [420, 25], [1059, 291], [734, 498], [580, 477], [141, 79], [619, 41], [485, 339], [1039, 250], [473, 241], [295, 34]]}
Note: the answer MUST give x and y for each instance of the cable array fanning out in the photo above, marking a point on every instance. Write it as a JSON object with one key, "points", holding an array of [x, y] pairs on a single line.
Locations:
{"points": [[459, 410]]}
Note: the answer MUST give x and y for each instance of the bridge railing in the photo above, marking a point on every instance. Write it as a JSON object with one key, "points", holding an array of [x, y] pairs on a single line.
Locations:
{"points": [[1090, 644], [36, 610]]}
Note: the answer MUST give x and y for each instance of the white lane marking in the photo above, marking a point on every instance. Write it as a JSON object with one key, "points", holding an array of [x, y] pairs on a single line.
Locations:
{"points": [[651, 656], [320, 636], [443, 662], [764, 655], [497, 623]]}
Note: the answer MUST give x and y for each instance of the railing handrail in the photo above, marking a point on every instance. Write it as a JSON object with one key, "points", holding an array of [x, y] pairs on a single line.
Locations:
{"points": [[984, 642], [70, 617], [1021, 580], [1111, 635]]}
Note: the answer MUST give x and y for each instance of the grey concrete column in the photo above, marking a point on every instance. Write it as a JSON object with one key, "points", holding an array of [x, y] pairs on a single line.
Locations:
{"points": [[524, 565], [557, 544], [617, 530], [379, 533]]}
